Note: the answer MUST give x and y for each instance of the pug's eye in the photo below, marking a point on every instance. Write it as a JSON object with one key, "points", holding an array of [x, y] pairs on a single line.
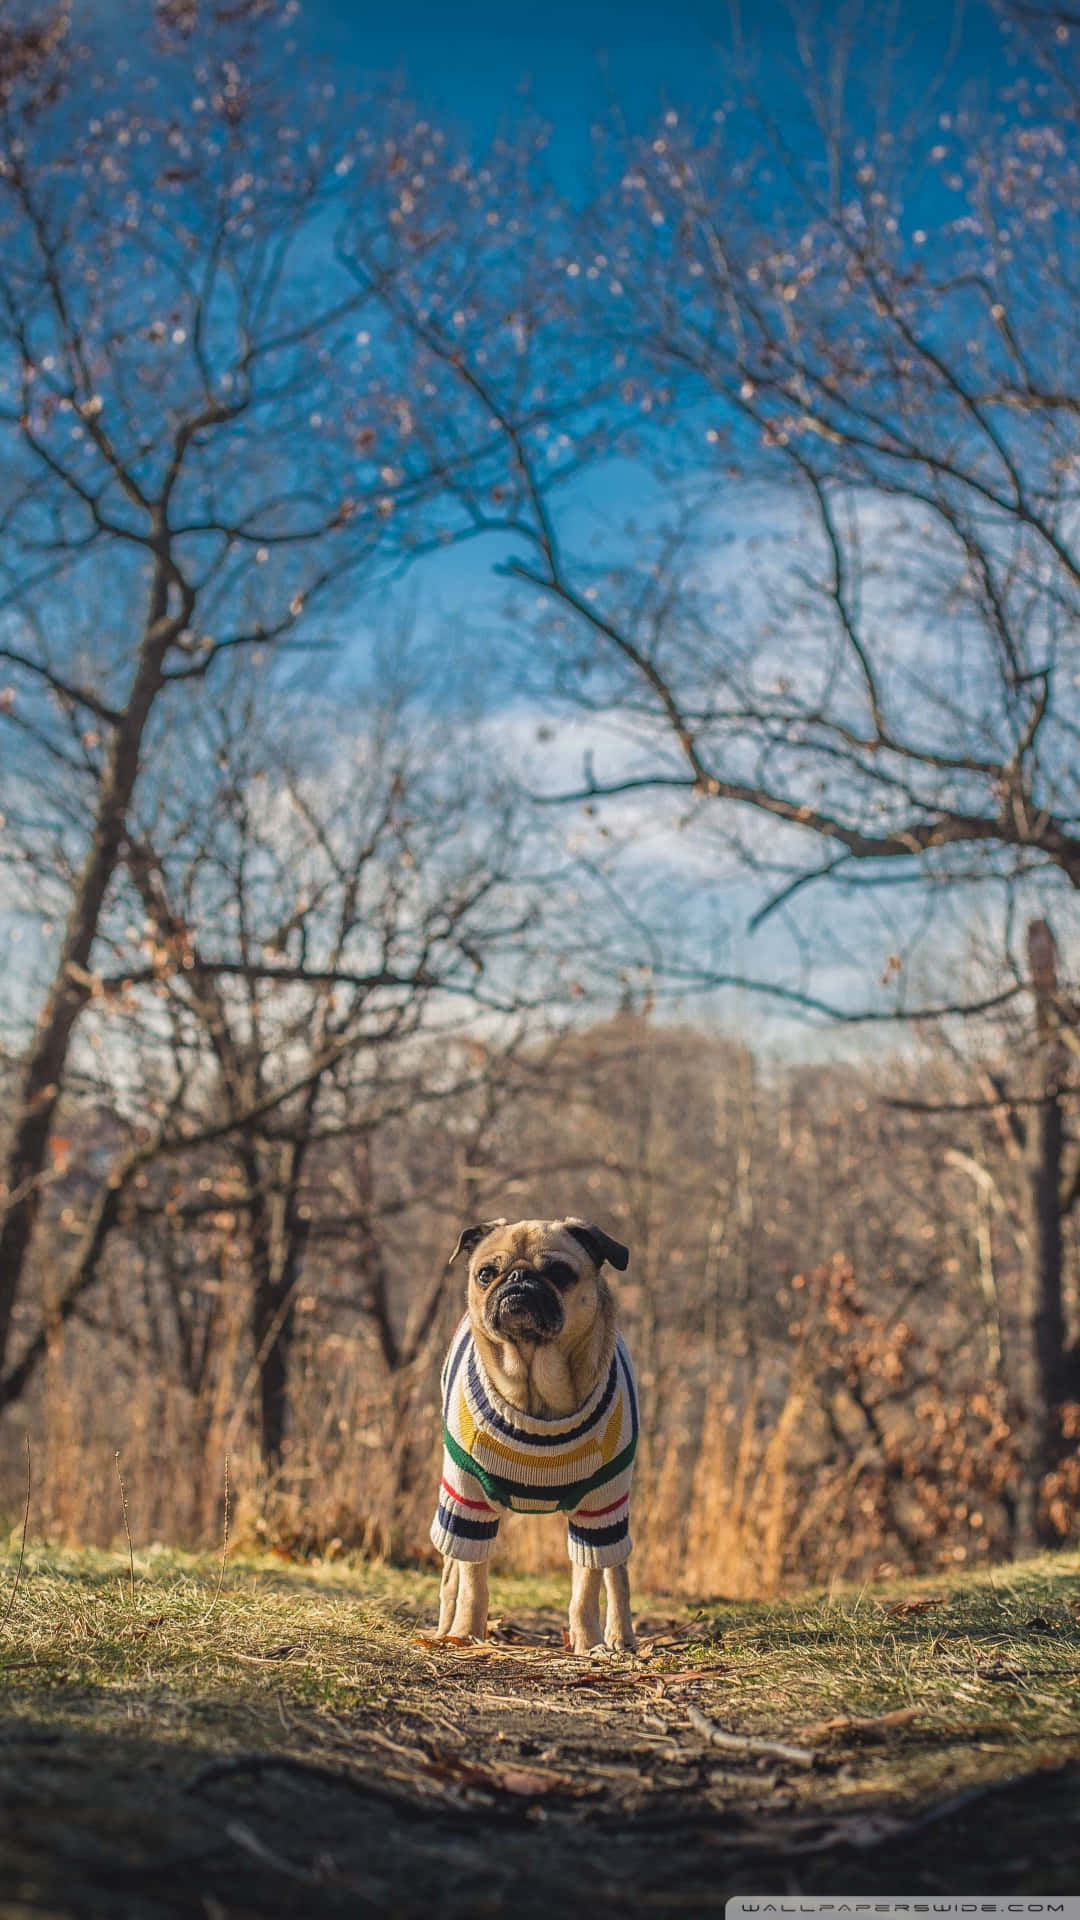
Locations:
{"points": [[486, 1274], [560, 1273]]}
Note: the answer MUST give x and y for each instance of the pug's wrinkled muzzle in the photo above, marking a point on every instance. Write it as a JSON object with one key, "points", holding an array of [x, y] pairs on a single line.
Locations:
{"points": [[524, 1302]]}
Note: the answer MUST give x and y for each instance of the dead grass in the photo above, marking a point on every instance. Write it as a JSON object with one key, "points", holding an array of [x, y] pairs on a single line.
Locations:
{"points": [[330, 1638], [1000, 1646], [320, 1671], [738, 1484]]}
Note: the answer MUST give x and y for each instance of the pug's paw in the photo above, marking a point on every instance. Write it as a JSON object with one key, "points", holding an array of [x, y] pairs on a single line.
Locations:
{"points": [[621, 1640]]}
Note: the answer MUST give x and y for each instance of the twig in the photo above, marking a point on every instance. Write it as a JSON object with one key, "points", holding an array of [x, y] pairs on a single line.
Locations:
{"points": [[323, 1874], [22, 1544], [746, 1743], [243, 1837], [224, 1550], [260, 1659], [127, 1529]]}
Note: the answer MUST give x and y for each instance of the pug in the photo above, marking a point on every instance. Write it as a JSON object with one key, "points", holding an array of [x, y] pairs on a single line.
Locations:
{"points": [[540, 1415]]}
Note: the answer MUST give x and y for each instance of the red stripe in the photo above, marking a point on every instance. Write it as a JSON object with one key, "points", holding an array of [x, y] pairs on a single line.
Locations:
{"points": [[594, 1513], [462, 1502]]}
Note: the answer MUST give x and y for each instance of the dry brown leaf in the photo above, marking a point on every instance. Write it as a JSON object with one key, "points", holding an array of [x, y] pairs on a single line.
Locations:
{"points": [[459, 1642], [530, 1782], [610, 1677]]}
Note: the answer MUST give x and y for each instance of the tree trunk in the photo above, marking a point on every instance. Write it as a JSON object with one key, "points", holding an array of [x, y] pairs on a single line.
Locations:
{"points": [[277, 1263], [1044, 1382], [20, 1180], [276, 1329], [275, 1313]]}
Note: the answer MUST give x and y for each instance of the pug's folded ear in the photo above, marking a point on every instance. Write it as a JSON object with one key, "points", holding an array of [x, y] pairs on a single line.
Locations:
{"points": [[599, 1245], [472, 1237]]}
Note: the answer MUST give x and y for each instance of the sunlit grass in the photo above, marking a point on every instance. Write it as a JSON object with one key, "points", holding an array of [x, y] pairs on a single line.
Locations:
{"points": [[991, 1671]]}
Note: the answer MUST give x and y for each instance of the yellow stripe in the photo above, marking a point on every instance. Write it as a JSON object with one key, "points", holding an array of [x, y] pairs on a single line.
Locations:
{"points": [[466, 1423], [597, 1449], [612, 1433], [528, 1462]]}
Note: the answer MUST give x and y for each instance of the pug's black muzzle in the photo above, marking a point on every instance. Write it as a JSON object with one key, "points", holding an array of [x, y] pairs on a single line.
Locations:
{"points": [[524, 1302]]}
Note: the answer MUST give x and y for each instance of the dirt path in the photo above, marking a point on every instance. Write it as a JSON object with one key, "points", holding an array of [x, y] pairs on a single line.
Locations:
{"points": [[153, 1771]]}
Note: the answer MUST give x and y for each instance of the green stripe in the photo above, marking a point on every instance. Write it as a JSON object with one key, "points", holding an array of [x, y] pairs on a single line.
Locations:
{"points": [[496, 1486]]}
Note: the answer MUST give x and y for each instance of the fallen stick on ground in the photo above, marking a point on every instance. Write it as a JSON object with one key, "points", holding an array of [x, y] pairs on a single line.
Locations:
{"points": [[325, 1875], [747, 1743]]}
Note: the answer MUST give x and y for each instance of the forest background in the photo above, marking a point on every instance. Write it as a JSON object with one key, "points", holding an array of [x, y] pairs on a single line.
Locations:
{"points": [[539, 674]]}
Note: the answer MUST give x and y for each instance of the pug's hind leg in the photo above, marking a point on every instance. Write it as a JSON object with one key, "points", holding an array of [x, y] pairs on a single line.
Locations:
{"points": [[448, 1588], [585, 1629], [619, 1627], [471, 1606]]}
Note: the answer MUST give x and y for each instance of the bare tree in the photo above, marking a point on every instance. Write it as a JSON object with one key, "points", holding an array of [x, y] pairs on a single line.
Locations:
{"points": [[296, 916], [1017, 1090], [858, 350], [845, 649], [208, 432]]}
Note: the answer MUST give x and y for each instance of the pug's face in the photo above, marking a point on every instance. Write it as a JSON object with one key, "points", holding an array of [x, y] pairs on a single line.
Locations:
{"points": [[538, 1281]]}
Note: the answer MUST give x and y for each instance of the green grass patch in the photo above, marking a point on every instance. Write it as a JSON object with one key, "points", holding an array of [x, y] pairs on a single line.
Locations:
{"points": [[325, 1639]]}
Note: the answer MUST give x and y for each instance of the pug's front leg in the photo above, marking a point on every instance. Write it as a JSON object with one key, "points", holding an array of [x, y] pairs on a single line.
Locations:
{"points": [[585, 1629], [619, 1627], [448, 1591], [471, 1602]]}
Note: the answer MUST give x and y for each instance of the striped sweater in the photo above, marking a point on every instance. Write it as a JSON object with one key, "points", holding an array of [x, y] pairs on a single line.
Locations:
{"points": [[496, 1456]]}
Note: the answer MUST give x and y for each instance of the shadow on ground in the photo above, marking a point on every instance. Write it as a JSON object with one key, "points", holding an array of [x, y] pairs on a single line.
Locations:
{"points": [[130, 1825]]}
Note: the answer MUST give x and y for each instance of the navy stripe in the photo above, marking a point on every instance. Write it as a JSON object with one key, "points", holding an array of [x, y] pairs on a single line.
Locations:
{"points": [[526, 1435], [599, 1536], [465, 1529], [628, 1376], [454, 1358]]}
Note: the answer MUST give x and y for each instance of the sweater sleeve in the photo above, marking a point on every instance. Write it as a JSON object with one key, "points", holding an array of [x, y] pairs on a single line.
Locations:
{"points": [[598, 1532], [465, 1523]]}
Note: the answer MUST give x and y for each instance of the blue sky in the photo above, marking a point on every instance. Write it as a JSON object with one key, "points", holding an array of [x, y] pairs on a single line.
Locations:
{"points": [[472, 60], [475, 64]]}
